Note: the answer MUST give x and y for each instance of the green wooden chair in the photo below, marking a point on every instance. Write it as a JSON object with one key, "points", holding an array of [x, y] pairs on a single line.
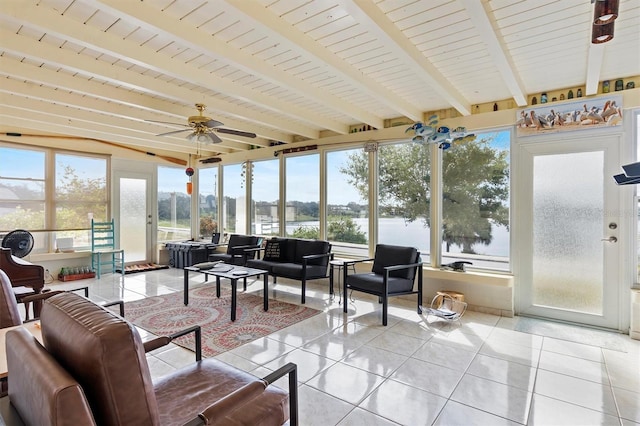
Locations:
{"points": [[104, 252]]}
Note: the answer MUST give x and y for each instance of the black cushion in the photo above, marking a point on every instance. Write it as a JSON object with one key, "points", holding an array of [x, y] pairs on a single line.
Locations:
{"points": [[275, 251], [307, 247], [294, 271], [388, 255], [261, 264], [373, 283]]}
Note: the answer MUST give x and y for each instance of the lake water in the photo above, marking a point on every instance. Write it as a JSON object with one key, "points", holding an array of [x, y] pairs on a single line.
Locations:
{"points": [[416, 234]]}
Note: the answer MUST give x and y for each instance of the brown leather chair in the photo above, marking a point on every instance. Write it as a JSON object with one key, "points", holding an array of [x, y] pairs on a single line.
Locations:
{"points": [[104, 354]]}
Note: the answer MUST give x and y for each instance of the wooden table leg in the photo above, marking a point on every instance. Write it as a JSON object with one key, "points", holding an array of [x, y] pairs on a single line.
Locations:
{"points": [[218, 287]]}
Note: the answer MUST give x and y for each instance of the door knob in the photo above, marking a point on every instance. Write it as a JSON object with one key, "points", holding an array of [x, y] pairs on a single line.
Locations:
{"points": [[610, 239]]}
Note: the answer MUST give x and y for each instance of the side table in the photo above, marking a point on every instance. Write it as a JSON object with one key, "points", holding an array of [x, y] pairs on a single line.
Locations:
{"points": [[337, 264]]}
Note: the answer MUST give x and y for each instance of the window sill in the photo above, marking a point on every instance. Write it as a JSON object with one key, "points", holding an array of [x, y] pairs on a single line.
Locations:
{"points": [[472, 277], [46, 257]]}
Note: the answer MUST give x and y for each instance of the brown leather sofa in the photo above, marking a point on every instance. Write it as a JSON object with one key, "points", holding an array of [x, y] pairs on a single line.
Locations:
{"points": [[93, 370]]}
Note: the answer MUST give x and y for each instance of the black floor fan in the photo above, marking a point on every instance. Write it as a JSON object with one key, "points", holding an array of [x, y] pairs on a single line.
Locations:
{"points": [[19, 241]]}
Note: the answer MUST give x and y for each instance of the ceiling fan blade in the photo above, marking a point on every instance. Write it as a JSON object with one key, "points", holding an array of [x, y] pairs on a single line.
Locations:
{"points": [[166, 122], [213, 123], [173, 132], [237, 133]]}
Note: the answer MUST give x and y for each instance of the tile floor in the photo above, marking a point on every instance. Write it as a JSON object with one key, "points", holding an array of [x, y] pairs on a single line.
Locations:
{"points": [[483, 370]]}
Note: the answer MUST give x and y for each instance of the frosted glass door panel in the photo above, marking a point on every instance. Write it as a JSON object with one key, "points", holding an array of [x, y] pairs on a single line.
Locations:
{"points": [[567, 229], [133, 219]]}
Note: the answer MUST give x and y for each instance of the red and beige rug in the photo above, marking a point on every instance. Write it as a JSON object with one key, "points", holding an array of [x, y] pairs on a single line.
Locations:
{"points": [[163, 315]]}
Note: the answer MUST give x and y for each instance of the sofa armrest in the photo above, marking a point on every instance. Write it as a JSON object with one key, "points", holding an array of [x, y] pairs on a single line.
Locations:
{"points": [[243, 248], [290, 369], [400, 267], [161, 341], [227, 404], [250, 391], [39, 296], [316, 256]]}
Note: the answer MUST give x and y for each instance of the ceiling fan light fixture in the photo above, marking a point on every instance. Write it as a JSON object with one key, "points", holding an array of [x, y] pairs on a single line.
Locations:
{"points": [[204, 138], [605, 12], [602, 33]]}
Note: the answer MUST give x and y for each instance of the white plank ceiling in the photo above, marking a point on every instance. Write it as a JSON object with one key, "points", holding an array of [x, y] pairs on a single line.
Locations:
{"points": [[288, 69]]}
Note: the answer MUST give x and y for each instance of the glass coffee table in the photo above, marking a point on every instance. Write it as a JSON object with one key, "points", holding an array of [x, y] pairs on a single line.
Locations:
{"points": [[233, 273]]}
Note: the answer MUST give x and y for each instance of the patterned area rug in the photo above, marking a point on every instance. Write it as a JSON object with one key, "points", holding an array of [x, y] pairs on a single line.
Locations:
{"points": [[163, 315]]}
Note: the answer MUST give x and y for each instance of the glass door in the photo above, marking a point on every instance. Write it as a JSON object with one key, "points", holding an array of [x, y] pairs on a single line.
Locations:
{"points": [[135, 220], [571, 227]]}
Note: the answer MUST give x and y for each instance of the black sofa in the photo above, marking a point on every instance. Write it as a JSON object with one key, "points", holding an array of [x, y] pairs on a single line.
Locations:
{"points": [[296, 259]]}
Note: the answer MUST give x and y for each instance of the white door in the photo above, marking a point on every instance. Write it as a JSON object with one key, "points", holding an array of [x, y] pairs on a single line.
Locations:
{"points": [[570, 231], [134, 218]]}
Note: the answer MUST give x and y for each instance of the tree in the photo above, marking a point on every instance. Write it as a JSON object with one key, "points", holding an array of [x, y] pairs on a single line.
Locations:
{"points": [[307, 232], [475, 187], [345, 230]]}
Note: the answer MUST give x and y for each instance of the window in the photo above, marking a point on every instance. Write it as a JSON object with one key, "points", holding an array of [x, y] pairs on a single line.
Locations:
{"points": [[347, 201], [80, 195], [475, 205], [208, 201], [404, 196], [265, 196], [22, 189], [234, 198], [303, 196], [174, 205], [62, 197]]}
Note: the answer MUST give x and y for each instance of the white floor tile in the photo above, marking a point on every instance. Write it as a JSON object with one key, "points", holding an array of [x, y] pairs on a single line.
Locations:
{"points": [[360, 417], [404, 404], [493, 397], [445, 355], [375, 360], [429, 377], [576, 391], [628, 403], [575, 367], [503, 371], [548, 411], [309, 364], [347, 383], [316, 408], [456, 414], [511, 352]]}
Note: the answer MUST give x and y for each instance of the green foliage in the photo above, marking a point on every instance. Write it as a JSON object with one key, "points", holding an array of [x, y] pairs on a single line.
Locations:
{"points": [[345, 230], [342, 229], [308, 232], [22, 219], [78, 197], [475, 187], [207, 226]]}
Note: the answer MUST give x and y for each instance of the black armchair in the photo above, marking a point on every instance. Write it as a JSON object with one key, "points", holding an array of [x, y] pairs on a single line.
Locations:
{"points": [[239, 249], [393, 274]]}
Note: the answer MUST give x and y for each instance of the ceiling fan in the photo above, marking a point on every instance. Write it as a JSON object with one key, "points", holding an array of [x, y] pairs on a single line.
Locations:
{"points": [[203, 129]]}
